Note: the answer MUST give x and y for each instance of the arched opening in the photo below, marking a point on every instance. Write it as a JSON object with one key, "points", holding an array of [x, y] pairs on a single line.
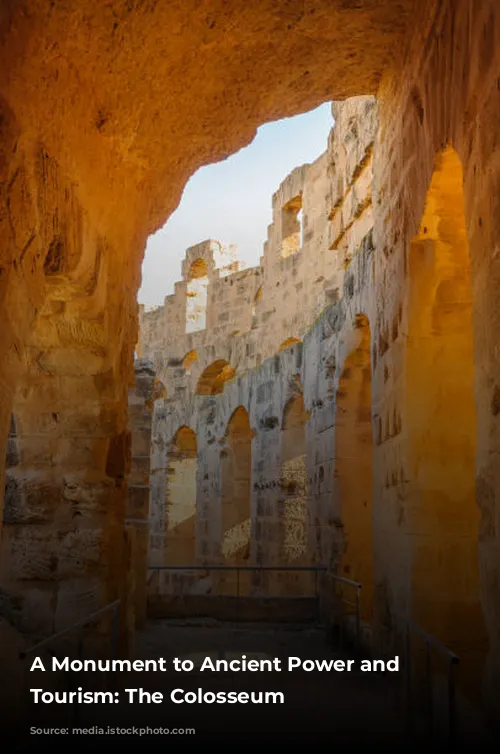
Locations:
{"points": [[354, 466], [196, 296], [159, 390], [180, 519], [189, 359], [257, 299], [236, 473], [441, 421], [287, 343], [294, 491], [291, 226], [214, 377]]}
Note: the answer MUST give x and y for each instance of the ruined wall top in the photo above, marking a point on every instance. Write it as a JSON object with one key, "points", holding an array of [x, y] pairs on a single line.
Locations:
{"points": [[218, 260], [234, 318]]}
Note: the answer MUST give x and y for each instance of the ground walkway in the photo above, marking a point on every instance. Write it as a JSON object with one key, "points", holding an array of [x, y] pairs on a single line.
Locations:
{"points": [[333, 707], [324, 706]]}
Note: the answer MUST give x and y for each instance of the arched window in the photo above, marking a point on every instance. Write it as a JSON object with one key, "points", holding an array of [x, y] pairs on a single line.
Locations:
{"points": [[287, 343], [180, 516], [189, 359], [236, 476], [294, 480], [236, 472], [354, 466], [291, 226], [197, 295], [214, 377], [442, 515]]}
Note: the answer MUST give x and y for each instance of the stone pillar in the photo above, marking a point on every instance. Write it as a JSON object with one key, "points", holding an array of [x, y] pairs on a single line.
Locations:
{"points": [[63, 376], [140, 402], [158, 486], [266, 529], [325, 529], [63, 546], [208, 499]]}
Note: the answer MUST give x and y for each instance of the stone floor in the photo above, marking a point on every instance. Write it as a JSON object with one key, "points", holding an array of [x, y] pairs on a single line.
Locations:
{"points": [[327, 705]]}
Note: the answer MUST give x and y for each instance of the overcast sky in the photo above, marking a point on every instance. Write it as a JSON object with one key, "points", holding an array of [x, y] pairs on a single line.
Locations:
{"points": [[230, 201]]}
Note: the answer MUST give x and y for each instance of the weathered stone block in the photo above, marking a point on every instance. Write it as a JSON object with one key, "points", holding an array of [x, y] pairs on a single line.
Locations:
{"points": [[138, 499]]}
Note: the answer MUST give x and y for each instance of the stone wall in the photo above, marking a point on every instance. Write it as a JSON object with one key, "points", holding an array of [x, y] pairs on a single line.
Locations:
{"points": [[143, 392], [102, 122], [410, 340], [214, 375], [251, 314], [103, 119]]}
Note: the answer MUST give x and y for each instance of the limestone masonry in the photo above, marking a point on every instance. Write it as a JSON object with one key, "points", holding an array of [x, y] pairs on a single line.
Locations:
{"points": [[247, 358], [336, 406]]}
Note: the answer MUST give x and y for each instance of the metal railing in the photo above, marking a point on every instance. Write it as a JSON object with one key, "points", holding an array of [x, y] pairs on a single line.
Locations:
{"points": [[317, 593], [356, 605], [242, 569], [238, 570], [53, 643], [81, 625], [452, 661]]}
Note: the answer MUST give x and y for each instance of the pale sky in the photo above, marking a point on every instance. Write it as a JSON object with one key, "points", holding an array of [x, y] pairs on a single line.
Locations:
{"points": [[230, 201]]}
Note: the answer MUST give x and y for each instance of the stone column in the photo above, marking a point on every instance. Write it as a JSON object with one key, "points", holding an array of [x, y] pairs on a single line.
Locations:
{"points": [[266, 533], [158, 486], [64, 546], [140, 402]]}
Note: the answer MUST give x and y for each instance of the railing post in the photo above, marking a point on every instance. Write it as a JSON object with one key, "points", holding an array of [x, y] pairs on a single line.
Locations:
{"points": [[358, 619], [430, 696], [114, 633], [452, 703], [76, 708], [341, 619], [81, 639], [316, 595], [408, 663]]}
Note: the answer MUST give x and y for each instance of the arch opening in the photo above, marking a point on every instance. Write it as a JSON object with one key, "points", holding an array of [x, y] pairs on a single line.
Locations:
{"points": [[354, 449], [256, 301], [442, 426], [197, 296], [189, 359], [236, 473], [214, 377], [180, 519], [293, 503], [287, 343], [291, 226]]}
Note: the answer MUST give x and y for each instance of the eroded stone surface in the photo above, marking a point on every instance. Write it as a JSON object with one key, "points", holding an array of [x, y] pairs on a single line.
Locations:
{"points": [[105, 114], [261, 355]]}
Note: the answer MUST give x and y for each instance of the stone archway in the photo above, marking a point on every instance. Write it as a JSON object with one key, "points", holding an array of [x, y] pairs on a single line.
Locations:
{"points": [[101, 129], [236, 474], [212, 379], [288, 343], [293, 504], [354, 466], [180, 519], [197, 296], [442, 425], [189, 359]]}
